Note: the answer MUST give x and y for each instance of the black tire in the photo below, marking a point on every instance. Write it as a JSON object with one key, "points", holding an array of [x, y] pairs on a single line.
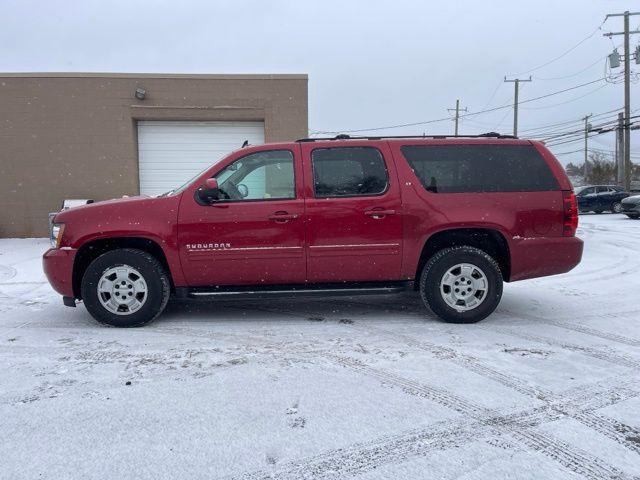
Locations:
{"points": [[441, 263], [153, 273], [598, 211], [633, 217]]}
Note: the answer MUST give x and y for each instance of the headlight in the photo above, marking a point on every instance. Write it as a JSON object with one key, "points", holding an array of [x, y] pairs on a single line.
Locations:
{"points": [[56, 234]]}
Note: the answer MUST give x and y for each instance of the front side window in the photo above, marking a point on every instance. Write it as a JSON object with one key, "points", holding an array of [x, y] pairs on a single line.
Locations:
{"points": [[264, 175], [586, 191], [480, 168], [348, 172]]}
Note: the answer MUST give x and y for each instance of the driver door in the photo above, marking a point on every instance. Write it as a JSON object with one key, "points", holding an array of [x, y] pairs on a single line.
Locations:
{"points": [[254, 233], [587, 199]]}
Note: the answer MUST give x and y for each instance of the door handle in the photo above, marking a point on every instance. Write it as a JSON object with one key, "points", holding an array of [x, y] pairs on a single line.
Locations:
{"points": [[379, 213], [283, 217]]}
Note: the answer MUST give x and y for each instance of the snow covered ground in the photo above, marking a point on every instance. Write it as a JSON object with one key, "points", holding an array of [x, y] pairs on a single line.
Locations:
{"points": [[362, 387]]}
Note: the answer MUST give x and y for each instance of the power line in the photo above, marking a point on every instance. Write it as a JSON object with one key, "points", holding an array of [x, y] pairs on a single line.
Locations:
{"points": [[578, 138], [565, 53], [594, 128], [492, 95], [549, 128], [572, 75], [444, 119], [568, 122], [567, 153], [568, 101]]}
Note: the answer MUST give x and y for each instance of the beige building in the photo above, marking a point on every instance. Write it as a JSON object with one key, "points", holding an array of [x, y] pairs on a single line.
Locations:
{"points": [[99, 136]]}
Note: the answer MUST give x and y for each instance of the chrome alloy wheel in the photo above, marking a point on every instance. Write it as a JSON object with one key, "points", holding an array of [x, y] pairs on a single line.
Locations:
{"points": [[464, 286], [122, 290]]}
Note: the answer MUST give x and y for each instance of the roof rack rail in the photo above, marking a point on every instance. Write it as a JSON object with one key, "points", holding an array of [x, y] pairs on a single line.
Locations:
{"points": [[343, 136]]}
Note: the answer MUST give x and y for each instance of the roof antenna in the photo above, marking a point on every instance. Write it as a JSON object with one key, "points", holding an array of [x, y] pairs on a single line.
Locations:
{"points": [[245, 144]]}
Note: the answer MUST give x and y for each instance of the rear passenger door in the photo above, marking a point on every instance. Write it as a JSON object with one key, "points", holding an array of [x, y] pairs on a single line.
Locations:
{"points": [[604, 198], [353, 212]]}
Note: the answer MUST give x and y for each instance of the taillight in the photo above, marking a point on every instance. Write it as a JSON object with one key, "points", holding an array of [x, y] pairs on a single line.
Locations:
{"points": [[570, 221]]}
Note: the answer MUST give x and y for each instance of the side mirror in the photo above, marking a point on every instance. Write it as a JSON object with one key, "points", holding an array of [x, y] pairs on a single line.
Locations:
{"points": [[209, 192]]}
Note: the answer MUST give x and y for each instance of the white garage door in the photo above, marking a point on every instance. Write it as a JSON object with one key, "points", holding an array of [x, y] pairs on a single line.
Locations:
{"points": [[170, 153]]}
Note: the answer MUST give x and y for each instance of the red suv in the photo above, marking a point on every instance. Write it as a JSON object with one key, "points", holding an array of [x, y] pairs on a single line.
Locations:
{"points": [[450, 217]]}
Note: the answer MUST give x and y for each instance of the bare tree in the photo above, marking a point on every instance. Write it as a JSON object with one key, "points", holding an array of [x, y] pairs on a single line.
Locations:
{"points": [[600, 170]]}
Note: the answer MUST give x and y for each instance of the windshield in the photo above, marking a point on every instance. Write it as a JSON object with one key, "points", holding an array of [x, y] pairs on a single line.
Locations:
{"points": [[182, 187]]}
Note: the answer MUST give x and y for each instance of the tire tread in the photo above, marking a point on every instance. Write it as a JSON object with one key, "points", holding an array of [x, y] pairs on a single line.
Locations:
{"points": [[440, 255], [162, 276]]}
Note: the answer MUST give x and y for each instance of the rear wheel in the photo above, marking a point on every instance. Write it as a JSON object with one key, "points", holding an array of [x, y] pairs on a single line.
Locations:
{"points": [[461, 284], [616, 207], [598, 211], [125, 288]]}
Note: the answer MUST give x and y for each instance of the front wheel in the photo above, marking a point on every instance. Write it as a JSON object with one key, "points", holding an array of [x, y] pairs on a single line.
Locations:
{"points": [[616, 207], [461, 284], [125, 288]]}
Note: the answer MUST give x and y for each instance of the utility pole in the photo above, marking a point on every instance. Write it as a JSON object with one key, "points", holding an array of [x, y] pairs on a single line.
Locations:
{"points": [[516, 82], [457, 117], [627, 92], [586, 143], [620, 149]]}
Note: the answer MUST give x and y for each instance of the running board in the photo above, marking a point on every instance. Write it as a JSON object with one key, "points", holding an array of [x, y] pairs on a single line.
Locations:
{"points": [[276, 291]]}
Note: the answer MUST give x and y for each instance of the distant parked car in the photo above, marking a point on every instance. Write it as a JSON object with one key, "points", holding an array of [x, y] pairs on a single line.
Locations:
{"points": [[600, 198], [631, 206]]}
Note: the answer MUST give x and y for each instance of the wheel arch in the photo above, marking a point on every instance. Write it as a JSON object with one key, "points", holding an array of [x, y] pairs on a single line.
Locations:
{"points": [[91, 250], [489, 240]]}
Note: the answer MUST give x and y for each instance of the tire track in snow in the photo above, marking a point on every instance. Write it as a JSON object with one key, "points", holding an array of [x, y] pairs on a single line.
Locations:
{"points": [[364, 457], [575, 459], [620, 359], [619, 432], [616, 431], [614, 337], [467, 362], [606, 426], [435, 394], [367, 456]]}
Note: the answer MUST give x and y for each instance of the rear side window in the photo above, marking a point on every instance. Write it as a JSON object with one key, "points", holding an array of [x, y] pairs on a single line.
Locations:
{"points": [[348, 172], [480, 168]]}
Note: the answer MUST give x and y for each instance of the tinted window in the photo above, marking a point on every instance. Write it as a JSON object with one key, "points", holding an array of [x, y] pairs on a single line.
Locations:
{"points": [[586, 191], [260, 176], [348, 171], [602, 189], [479, 168]]}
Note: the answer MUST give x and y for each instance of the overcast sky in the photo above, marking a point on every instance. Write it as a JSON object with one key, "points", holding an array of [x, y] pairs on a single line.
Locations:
{"points": [[370, 63]]}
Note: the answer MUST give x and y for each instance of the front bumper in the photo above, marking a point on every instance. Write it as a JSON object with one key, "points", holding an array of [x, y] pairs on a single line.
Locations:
{"points": [[632, 208], [543, 256], [57, 264]]}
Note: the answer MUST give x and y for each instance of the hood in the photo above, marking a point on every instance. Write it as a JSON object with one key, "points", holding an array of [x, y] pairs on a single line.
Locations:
{"points": [[154, 218], [98, 208]]}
